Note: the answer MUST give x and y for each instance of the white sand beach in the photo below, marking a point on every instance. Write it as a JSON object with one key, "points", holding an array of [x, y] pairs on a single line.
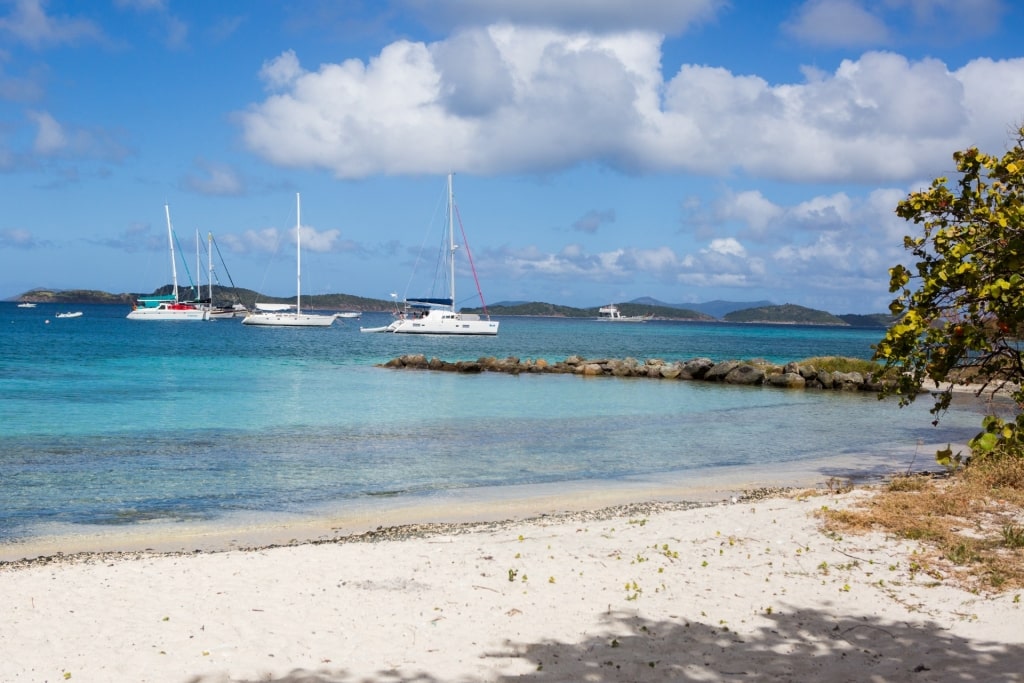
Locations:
{"points": [[744, 591]]}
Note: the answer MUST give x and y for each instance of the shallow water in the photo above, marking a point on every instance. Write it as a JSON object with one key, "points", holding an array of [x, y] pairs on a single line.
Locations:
{"points": [[107, 421]]}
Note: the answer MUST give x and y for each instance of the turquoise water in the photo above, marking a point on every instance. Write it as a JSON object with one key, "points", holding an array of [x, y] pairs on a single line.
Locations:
{"points": [[106, 421]]}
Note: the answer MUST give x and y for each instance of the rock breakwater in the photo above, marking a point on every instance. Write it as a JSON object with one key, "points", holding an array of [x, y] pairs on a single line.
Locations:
{"points": [[788, 376]]}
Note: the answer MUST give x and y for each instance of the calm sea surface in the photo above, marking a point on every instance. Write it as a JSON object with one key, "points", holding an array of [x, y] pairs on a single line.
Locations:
{"points": [[105, 421]]}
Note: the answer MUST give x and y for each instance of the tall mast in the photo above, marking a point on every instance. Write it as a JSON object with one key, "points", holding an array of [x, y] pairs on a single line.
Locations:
{"points": [[451, 243], [209, 266], [298, 255], [170, 240], [199, 278]]}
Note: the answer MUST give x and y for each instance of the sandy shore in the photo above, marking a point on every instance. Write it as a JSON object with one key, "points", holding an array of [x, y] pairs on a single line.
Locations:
{"points": [[744, 591]]}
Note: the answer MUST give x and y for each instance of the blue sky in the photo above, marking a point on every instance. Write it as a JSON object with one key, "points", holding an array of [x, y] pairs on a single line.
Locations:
{"points": [[686, 150]]}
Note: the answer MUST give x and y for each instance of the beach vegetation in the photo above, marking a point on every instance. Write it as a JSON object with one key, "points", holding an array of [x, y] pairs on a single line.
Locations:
{"points": [[959, 307], [843, 364], [966, 525]]}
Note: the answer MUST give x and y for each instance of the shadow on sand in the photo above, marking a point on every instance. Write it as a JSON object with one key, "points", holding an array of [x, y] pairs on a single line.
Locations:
{"points": [[801, 646]]}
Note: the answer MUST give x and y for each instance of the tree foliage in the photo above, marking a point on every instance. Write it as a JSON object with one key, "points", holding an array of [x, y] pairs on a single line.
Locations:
{"points": [[960, 308]]}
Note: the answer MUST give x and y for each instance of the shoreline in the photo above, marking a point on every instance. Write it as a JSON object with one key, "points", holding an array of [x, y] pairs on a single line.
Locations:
{"points": [[486, 505], [740, 590]]}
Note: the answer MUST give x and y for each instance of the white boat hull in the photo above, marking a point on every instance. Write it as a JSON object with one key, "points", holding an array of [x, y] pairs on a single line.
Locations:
{"points": [[269, 319], [161, 313], [436, 321]]}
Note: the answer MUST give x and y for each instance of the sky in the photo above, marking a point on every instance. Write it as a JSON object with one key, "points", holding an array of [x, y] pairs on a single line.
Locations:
{"points": [[602, 150]]}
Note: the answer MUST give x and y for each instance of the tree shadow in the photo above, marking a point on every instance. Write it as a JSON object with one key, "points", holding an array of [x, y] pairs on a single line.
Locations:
{"points": [[798, 646]]}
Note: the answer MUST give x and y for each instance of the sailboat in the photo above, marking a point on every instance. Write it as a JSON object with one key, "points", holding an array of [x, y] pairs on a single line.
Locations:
{"points": [[431, 315], [168, 306], [278, 315]]}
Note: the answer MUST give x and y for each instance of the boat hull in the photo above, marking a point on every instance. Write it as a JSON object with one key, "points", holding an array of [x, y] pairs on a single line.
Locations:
{"points": [[161, 313], [267, 319], [436, 322]]}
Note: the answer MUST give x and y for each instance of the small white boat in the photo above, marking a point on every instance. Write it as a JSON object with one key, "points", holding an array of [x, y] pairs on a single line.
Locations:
{"points": [[70, 314], [348, 314], [26, 304], [611, 312]]}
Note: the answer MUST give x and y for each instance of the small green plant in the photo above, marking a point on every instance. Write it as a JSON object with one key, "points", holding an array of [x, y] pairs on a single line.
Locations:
{"points": [[1013, 536], [512, 574], [962, 553]]}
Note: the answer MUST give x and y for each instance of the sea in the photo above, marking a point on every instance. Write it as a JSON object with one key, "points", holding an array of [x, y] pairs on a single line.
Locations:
{"points": [[107, 423]]}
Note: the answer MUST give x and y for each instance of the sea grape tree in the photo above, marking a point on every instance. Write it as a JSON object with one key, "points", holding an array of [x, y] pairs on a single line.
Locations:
{"points": [[959, 309]]}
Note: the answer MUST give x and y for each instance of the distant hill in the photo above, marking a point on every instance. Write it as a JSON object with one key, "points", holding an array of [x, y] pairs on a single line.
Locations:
{"points": [[221, 295], [716, 309], [786, 313], [879, 320], [539, 308], [731, 311], [74, 296]]}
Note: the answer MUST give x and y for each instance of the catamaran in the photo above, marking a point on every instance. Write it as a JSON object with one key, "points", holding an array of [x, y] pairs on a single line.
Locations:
{"points": [[437, 315], [167, 306]]}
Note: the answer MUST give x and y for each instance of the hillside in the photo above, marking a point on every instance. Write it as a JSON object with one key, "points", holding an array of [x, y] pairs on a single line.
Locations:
{"points": [[539, 308], [715, 309], [221, 295], [786, 313]]}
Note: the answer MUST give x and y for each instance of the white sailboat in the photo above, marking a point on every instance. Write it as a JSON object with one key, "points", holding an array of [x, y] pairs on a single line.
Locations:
{"points": [[430, 315], [278, 315], [167, 307]]}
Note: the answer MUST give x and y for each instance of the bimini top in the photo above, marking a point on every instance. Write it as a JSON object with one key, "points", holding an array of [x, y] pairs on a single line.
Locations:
{"points": [[431, 301]]}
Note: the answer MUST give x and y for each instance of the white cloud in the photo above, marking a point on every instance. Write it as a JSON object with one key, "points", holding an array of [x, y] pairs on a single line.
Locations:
{"points": [[50, 138], [601, 17], [317, 241], [29, 23], [215, 179], [54, 139], [844, 23], [593, 220], [751, 208], [17, 238], [512, 99], [725, 246]]}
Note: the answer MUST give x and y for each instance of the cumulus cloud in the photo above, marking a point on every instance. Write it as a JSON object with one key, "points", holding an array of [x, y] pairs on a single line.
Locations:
{"points": [[506, 99]]}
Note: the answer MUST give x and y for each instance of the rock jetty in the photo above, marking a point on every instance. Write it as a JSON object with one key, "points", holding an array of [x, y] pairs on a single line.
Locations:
{"points": [[755, 373]]}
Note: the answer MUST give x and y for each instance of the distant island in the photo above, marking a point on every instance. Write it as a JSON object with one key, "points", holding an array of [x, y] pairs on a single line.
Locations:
{"points": [[763, 312]]}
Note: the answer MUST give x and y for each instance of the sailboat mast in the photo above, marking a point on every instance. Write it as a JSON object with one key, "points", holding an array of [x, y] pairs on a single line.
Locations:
{"points": [[298, 255], [170, 240], [451, 243], [209, 265], [199, 278]]}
